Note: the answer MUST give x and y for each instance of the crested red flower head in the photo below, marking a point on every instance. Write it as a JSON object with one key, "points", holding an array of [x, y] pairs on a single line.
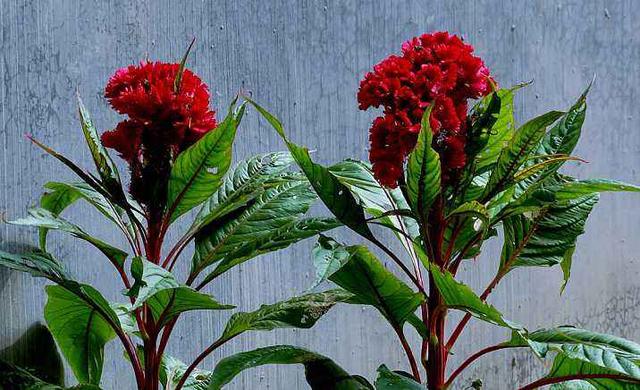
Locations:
{"points": [[163, 119], [437, 68]]}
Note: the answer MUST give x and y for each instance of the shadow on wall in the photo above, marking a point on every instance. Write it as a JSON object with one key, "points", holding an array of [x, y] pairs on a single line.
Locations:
{"points": [[32, 360]]}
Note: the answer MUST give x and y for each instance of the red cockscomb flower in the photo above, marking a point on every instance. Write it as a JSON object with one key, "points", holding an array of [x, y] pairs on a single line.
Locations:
{"points": [[163, 119], [437, 68]]}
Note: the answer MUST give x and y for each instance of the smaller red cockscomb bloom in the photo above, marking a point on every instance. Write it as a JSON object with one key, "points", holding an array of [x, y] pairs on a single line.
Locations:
{"points": [[438, 68], [163, 120]]}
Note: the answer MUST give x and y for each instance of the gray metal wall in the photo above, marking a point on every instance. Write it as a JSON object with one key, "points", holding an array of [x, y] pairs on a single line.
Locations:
{"points": [[303, 60]]}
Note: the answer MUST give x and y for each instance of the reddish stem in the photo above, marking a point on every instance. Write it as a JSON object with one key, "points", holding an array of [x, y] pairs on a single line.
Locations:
{"points": [[407, 349], [199, 359], [473, 358], [549, 381]]}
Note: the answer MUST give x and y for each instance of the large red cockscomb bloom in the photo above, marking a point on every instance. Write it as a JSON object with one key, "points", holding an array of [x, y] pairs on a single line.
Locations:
{"points": [[437, 68], [163, 119]]}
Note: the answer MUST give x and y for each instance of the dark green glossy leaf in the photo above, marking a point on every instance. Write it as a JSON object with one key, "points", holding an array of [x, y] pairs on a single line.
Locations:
{"points": [[198, 171], [328, 257], [372, 284], [517, 151], [423, 170], [320, 371], [335, 195], [298, 312], [276, 208]]}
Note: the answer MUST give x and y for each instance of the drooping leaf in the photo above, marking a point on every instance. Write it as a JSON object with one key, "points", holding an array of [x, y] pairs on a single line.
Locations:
{"points": [[276, 208], [328, 257], [335, 195], [80, 329], [372, 284], [321, 373], [548, 236], [515, 153], [298, 312], [42, 218], [565, 365], [243, 185], [281, 238], [389, 380], [62, 195], [198, 171], [38, 264], [164, 295], [423, 170]]}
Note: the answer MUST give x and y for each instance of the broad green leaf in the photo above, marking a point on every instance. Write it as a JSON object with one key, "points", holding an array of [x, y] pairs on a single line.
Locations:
{"points": [[62, 195], [80, 329], [328, 257], [242, 186], [277, 207], [35, 351], [546, 237], [423, 170], [172, 370], [321, 373], [281, 238], [298, 312], [164, 295], [574, 189], [457, 295], [335, 195], [107, 170], [198, 171], [572, 385], [372, 284], [500, 132], [517, 151], [389, 380], [484, 116], [42, 218], [565, 364], [13, 377]]}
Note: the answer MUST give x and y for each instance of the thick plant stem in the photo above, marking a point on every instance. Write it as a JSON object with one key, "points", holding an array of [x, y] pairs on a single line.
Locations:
{"points": [[437, 352]]}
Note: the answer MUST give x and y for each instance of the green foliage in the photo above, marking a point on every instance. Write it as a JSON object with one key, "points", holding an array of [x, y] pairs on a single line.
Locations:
{"points": [[320, 371], [389, 380], [198, 171]]}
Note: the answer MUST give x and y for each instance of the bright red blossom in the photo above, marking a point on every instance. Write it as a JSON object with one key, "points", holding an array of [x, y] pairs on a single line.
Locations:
{"points": [[163, 120], [437, 68]]}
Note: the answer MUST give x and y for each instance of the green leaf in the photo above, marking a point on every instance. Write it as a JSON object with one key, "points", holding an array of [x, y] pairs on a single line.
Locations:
{"points": [[243, 185], [298, 312], [172, 370], [104, 164], [389, 380], [547, 237], [335, 195], [36, 352], [164, 295], [321, 373], [281, 238], [79, 329], [517, 151], [42, 218], [276, 208], [372, 284], [457, 295], [500, 132], [62, 195], [38, 264], [198, 171], [328, 257], [423, 170], [565, 365], [575, 189]]}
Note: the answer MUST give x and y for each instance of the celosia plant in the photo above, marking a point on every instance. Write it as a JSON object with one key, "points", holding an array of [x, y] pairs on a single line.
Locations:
{"points": [[178, 157], [444, 180]]}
